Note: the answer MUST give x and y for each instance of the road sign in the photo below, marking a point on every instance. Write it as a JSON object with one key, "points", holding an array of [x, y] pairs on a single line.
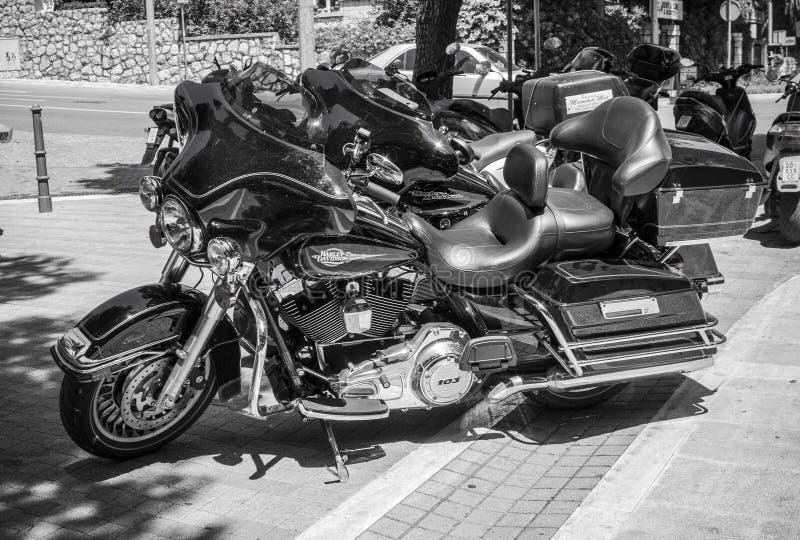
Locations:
{"points": [[670, 9], [735, 10], [9, 54], [790, 41], [779, 37]]}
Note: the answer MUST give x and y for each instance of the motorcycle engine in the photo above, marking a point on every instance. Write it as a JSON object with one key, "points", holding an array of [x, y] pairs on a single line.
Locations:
{"points": [[421, 372], [328, 311]]}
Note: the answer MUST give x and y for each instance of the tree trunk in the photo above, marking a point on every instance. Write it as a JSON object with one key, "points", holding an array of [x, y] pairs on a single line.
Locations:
{"points": [[436, 28], [305, 26]]}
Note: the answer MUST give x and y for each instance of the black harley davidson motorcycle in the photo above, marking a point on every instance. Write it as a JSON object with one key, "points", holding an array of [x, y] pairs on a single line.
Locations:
{"points": [[351, 312]]}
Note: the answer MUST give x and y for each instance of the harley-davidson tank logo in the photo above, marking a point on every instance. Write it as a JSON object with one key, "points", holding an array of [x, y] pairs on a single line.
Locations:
{"points": [[338, 257], [435, 195]]}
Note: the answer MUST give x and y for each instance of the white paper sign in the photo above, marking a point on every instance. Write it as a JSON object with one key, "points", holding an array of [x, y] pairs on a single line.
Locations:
{"points": [[586, 102], [9, 54]]}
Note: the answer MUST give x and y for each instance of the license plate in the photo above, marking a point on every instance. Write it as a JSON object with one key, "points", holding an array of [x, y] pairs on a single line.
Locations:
{"points": [[152, 135], [789, 177], [683, 123]]}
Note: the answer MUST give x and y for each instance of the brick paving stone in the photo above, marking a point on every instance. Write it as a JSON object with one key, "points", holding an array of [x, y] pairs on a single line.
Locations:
{"points": [[450, 478], [509, 492], [549, 520], [583, 483], [480, 486], [418, 533], [371, 535], [467, 497], [484, 516], [462, 466], [468, 529], [551, 482], [527, 506], [561, 471], [516, 519], [525, 480], [474, 456], [611, 450], [390, 528], [435, 489], [498, 504], [591, 472], [503, 533], [540, 494], [572, 461], [421, 501], [437, 523], [537, 533], [406, 514], [572, 494], [601, 461], [560, 507], [453, 510]]}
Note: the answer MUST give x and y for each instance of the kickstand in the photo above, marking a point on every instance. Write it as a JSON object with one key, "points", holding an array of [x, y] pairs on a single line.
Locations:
{"points": [[341, 469]]}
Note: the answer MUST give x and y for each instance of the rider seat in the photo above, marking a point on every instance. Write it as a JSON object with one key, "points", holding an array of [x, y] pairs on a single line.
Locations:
{"points": [[498, 117], [626, 149], [519, 230]]}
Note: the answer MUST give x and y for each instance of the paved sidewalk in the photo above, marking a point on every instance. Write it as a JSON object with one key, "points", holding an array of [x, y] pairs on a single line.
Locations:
{"points": [[722, 457]]}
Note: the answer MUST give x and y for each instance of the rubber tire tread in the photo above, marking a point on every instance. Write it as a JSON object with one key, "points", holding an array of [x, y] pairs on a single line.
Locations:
{"points": [[789, 217], [75, 402]]}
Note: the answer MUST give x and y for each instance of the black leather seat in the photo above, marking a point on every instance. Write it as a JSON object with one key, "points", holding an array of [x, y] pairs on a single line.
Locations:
{"points": [[628, 153], [493, 147], [498, 117], [715, 102], [520, 229]]}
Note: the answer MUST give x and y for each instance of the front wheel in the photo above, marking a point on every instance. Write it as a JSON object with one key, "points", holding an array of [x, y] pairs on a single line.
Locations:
{"points": [[580, 398], [789, 217], [116, 417]]}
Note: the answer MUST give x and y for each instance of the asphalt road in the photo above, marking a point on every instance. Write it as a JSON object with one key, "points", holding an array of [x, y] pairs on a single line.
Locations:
{"points": [[118, 110]]}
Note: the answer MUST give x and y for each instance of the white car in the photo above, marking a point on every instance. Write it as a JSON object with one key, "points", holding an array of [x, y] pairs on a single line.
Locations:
{"points": [[469, 85]]}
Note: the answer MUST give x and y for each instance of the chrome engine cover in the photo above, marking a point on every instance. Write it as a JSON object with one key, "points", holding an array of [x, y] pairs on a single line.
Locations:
{"points": [[422, 372]]}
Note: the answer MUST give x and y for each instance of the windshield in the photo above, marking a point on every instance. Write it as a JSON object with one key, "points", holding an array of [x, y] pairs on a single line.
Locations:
{"points": [[275, 104], [392, 92], [498, 61]]}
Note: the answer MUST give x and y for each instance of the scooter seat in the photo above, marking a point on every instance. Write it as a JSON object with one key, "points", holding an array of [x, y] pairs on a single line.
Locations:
{"points": [[494, 147], [519, 230], [499, 117], [715, 102]]}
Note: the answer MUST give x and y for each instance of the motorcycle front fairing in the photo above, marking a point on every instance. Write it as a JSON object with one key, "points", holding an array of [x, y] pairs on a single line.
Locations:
{"points": [[258, 161]]}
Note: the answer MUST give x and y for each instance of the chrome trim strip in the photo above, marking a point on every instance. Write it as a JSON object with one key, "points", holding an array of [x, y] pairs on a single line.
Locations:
{"points": [[341, 417], [556, 380], [261, 173], [81, 368], [260, 354], [620, 340]]}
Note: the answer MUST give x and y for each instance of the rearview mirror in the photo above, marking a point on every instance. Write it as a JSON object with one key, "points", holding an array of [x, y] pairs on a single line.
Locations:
{"points": [[552, 43], [483, 68], [771, 74], [453, 48], [382, 168], [687, 62]]}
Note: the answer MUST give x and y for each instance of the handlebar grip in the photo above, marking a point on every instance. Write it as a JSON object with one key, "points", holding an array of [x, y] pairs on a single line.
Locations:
{"points": [[381, 193], [494, 92]]}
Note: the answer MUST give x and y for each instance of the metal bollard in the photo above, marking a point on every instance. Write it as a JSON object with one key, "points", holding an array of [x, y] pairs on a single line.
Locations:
{"points": [[45, 202]]}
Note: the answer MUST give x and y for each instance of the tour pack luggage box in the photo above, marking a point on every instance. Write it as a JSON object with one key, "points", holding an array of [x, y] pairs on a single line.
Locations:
{"points": [[654, 62], [709, 192], [550, 100], [596, 298]]}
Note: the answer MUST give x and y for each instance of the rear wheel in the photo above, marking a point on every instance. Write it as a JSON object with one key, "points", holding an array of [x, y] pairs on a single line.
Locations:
{"points": [[789, 217], [580, 398], [117, 417]]}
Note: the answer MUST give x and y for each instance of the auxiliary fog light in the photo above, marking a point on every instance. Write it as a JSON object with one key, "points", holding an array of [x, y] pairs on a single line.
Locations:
{"points": [[224, 255], [151, 192]]}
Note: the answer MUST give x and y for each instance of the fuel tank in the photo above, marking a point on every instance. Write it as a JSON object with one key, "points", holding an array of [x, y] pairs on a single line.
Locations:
{"points": [[349, 256]]}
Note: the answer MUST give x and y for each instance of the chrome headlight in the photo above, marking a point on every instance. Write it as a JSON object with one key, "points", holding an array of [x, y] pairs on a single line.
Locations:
{"points": [[224, 255], [181, 229], [151, 192]]}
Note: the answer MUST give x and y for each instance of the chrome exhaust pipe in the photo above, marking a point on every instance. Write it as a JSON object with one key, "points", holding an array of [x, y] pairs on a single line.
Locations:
{"points": [[558, 380]]}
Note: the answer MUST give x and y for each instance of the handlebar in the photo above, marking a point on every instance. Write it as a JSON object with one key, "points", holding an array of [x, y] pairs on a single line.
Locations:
{"points": [[381, 193]]}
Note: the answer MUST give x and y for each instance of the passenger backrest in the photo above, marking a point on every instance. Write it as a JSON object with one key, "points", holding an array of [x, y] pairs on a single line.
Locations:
{"points": [[631, 153], [525, 173]]}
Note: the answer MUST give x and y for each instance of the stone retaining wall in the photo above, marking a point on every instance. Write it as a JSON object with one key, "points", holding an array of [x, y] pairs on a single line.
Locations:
{"points": [[80, 45]]}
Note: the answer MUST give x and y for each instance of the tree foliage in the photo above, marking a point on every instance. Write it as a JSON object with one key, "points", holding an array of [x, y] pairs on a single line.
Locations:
{"points": [[362, 37], [579, 24], [205, 17]]}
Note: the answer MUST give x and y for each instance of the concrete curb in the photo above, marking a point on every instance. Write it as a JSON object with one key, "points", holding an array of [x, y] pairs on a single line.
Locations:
{"points": [[607, 508], [86, 84]]}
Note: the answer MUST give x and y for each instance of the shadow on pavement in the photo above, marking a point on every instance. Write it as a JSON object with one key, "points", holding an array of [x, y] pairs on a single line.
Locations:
{"points": [[26, 277], [768, 235], [115, 177]]}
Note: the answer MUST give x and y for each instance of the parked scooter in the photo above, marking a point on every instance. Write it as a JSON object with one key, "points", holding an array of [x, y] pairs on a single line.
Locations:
{"points": [[351, 314], [726, 118], [782, 162]]}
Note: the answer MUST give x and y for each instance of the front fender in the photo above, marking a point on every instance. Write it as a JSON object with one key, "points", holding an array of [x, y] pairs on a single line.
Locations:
{"points": [[109, 338]]}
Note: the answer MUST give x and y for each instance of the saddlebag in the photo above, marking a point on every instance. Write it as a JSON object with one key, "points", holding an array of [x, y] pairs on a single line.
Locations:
{"points": [[612, 312], [550, 100], [709, 192]]}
